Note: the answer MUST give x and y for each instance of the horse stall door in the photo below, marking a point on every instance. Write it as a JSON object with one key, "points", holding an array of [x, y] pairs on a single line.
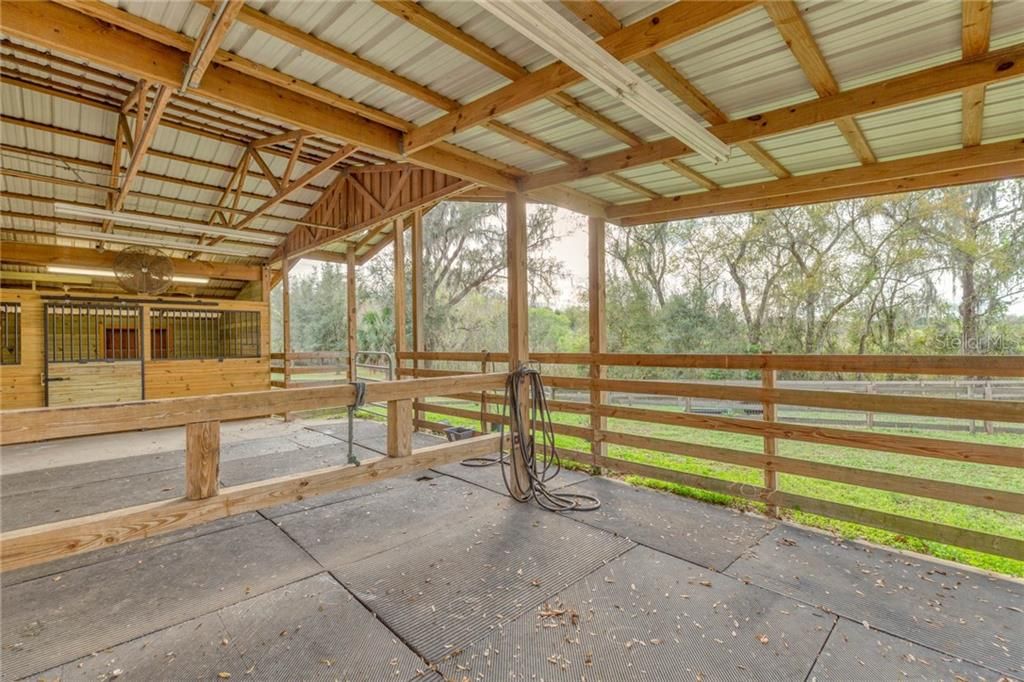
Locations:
{"points": [[93, 353]]}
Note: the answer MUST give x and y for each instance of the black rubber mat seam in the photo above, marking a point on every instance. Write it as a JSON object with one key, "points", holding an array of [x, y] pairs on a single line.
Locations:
{"points": [[427, 665], [741, 554], [824, 643], [1003, 673], [293, 540]]}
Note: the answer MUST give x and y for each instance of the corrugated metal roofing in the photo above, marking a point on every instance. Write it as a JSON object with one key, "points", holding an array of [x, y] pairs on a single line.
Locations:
{"points": [[742, 65]]}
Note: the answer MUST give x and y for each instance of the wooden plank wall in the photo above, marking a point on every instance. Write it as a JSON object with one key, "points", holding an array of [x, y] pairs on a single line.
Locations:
{"points": [[21, 385]]}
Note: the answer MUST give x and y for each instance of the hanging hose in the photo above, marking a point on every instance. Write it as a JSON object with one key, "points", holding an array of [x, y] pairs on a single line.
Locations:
{"points": [[360, 399], [542, 464]]}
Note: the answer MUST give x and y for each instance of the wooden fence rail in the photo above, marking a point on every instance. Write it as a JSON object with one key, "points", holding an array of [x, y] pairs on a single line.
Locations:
{"points": [[201, 417], [767, 396]]}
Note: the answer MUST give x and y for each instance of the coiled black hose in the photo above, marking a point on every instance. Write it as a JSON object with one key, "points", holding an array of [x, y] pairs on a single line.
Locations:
{"points": [[535, 441]]}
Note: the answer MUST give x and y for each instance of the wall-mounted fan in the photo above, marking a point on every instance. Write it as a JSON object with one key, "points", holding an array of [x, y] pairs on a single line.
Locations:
{"points": [[142, 270]]}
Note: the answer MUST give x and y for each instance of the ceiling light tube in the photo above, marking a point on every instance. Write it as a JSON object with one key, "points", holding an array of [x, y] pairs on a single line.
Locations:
{"points": [[102, 272], [160, 243], [550, 30], [61, 208]]}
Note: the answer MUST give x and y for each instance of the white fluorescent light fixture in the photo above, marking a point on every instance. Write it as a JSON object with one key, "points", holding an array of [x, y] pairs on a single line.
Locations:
{"points": [[550, 30], [160, 243], [161, 223], [101, 272]]}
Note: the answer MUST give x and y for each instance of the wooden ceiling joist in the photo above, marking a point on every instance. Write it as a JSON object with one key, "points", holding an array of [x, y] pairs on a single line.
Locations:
{"points": [[599, 18], [912, 183], [415, 14], [211, 35], [929, 83], [997, 154], [794, 30], [71, 32], [41, 255], [636, 40], [976, 30]]}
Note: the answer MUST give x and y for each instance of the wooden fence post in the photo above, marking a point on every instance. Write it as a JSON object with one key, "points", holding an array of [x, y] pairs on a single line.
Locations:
{"points": [[202, 459], [989, 428], [768, 415], [400, 428], [871, 415], [485, 425]]}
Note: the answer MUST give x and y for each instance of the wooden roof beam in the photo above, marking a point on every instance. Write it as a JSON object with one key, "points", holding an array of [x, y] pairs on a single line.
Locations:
{"points": [[794, 30], [595, 15], [41, 255], [933, 82], [215, 29], [976, 30], [130, 51], [641, 38], [145, 130], [1006, 155]]}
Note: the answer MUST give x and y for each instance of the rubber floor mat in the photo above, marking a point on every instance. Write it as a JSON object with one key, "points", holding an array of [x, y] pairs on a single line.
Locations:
{"points": [[54, 619], [453, 587], [854, 652], [963, 613], [648, 616], [310, 630], [697, 532]]}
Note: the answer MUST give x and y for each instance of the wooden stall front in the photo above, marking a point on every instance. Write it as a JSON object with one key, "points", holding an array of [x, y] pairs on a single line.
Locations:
{"points": [[96, 348]]}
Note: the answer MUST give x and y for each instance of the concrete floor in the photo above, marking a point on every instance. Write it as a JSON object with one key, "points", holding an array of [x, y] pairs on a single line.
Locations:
{"points": [[437, 575]]}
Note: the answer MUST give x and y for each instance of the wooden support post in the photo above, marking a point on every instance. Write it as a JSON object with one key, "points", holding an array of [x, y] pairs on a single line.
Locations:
{"points": [[351, 311], [770, 450], [286, 319], [598, 335], [399, 308], [400, 428], [418, 341], [518, 312], [202, 460]]}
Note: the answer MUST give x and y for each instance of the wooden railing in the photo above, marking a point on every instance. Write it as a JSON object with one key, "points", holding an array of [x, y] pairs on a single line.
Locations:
{"points": [[763, 400], [317, 368], [205, 500]]}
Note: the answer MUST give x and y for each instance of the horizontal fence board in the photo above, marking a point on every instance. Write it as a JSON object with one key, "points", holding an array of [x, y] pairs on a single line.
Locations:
{"points": [[907, 485], [38, 544], [30, 425], [979, 453], [1009, 411], [958, 365]]}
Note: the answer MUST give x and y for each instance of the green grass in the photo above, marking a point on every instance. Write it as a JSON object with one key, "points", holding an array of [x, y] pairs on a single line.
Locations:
{"points": [[938, 511]]}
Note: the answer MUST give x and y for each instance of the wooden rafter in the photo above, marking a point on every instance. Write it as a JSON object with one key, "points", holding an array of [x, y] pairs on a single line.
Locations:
{"points": [[138, 50], [146, 124], [41, 255], [595, 15], [636, 40], [454, 37], [297, 184], [936, 81], [215, 29], [976, 30], [1006, 156], [794, 30]]}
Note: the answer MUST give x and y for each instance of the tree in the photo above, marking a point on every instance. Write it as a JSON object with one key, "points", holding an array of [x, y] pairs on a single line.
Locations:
{"points": [[978, 235]]}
